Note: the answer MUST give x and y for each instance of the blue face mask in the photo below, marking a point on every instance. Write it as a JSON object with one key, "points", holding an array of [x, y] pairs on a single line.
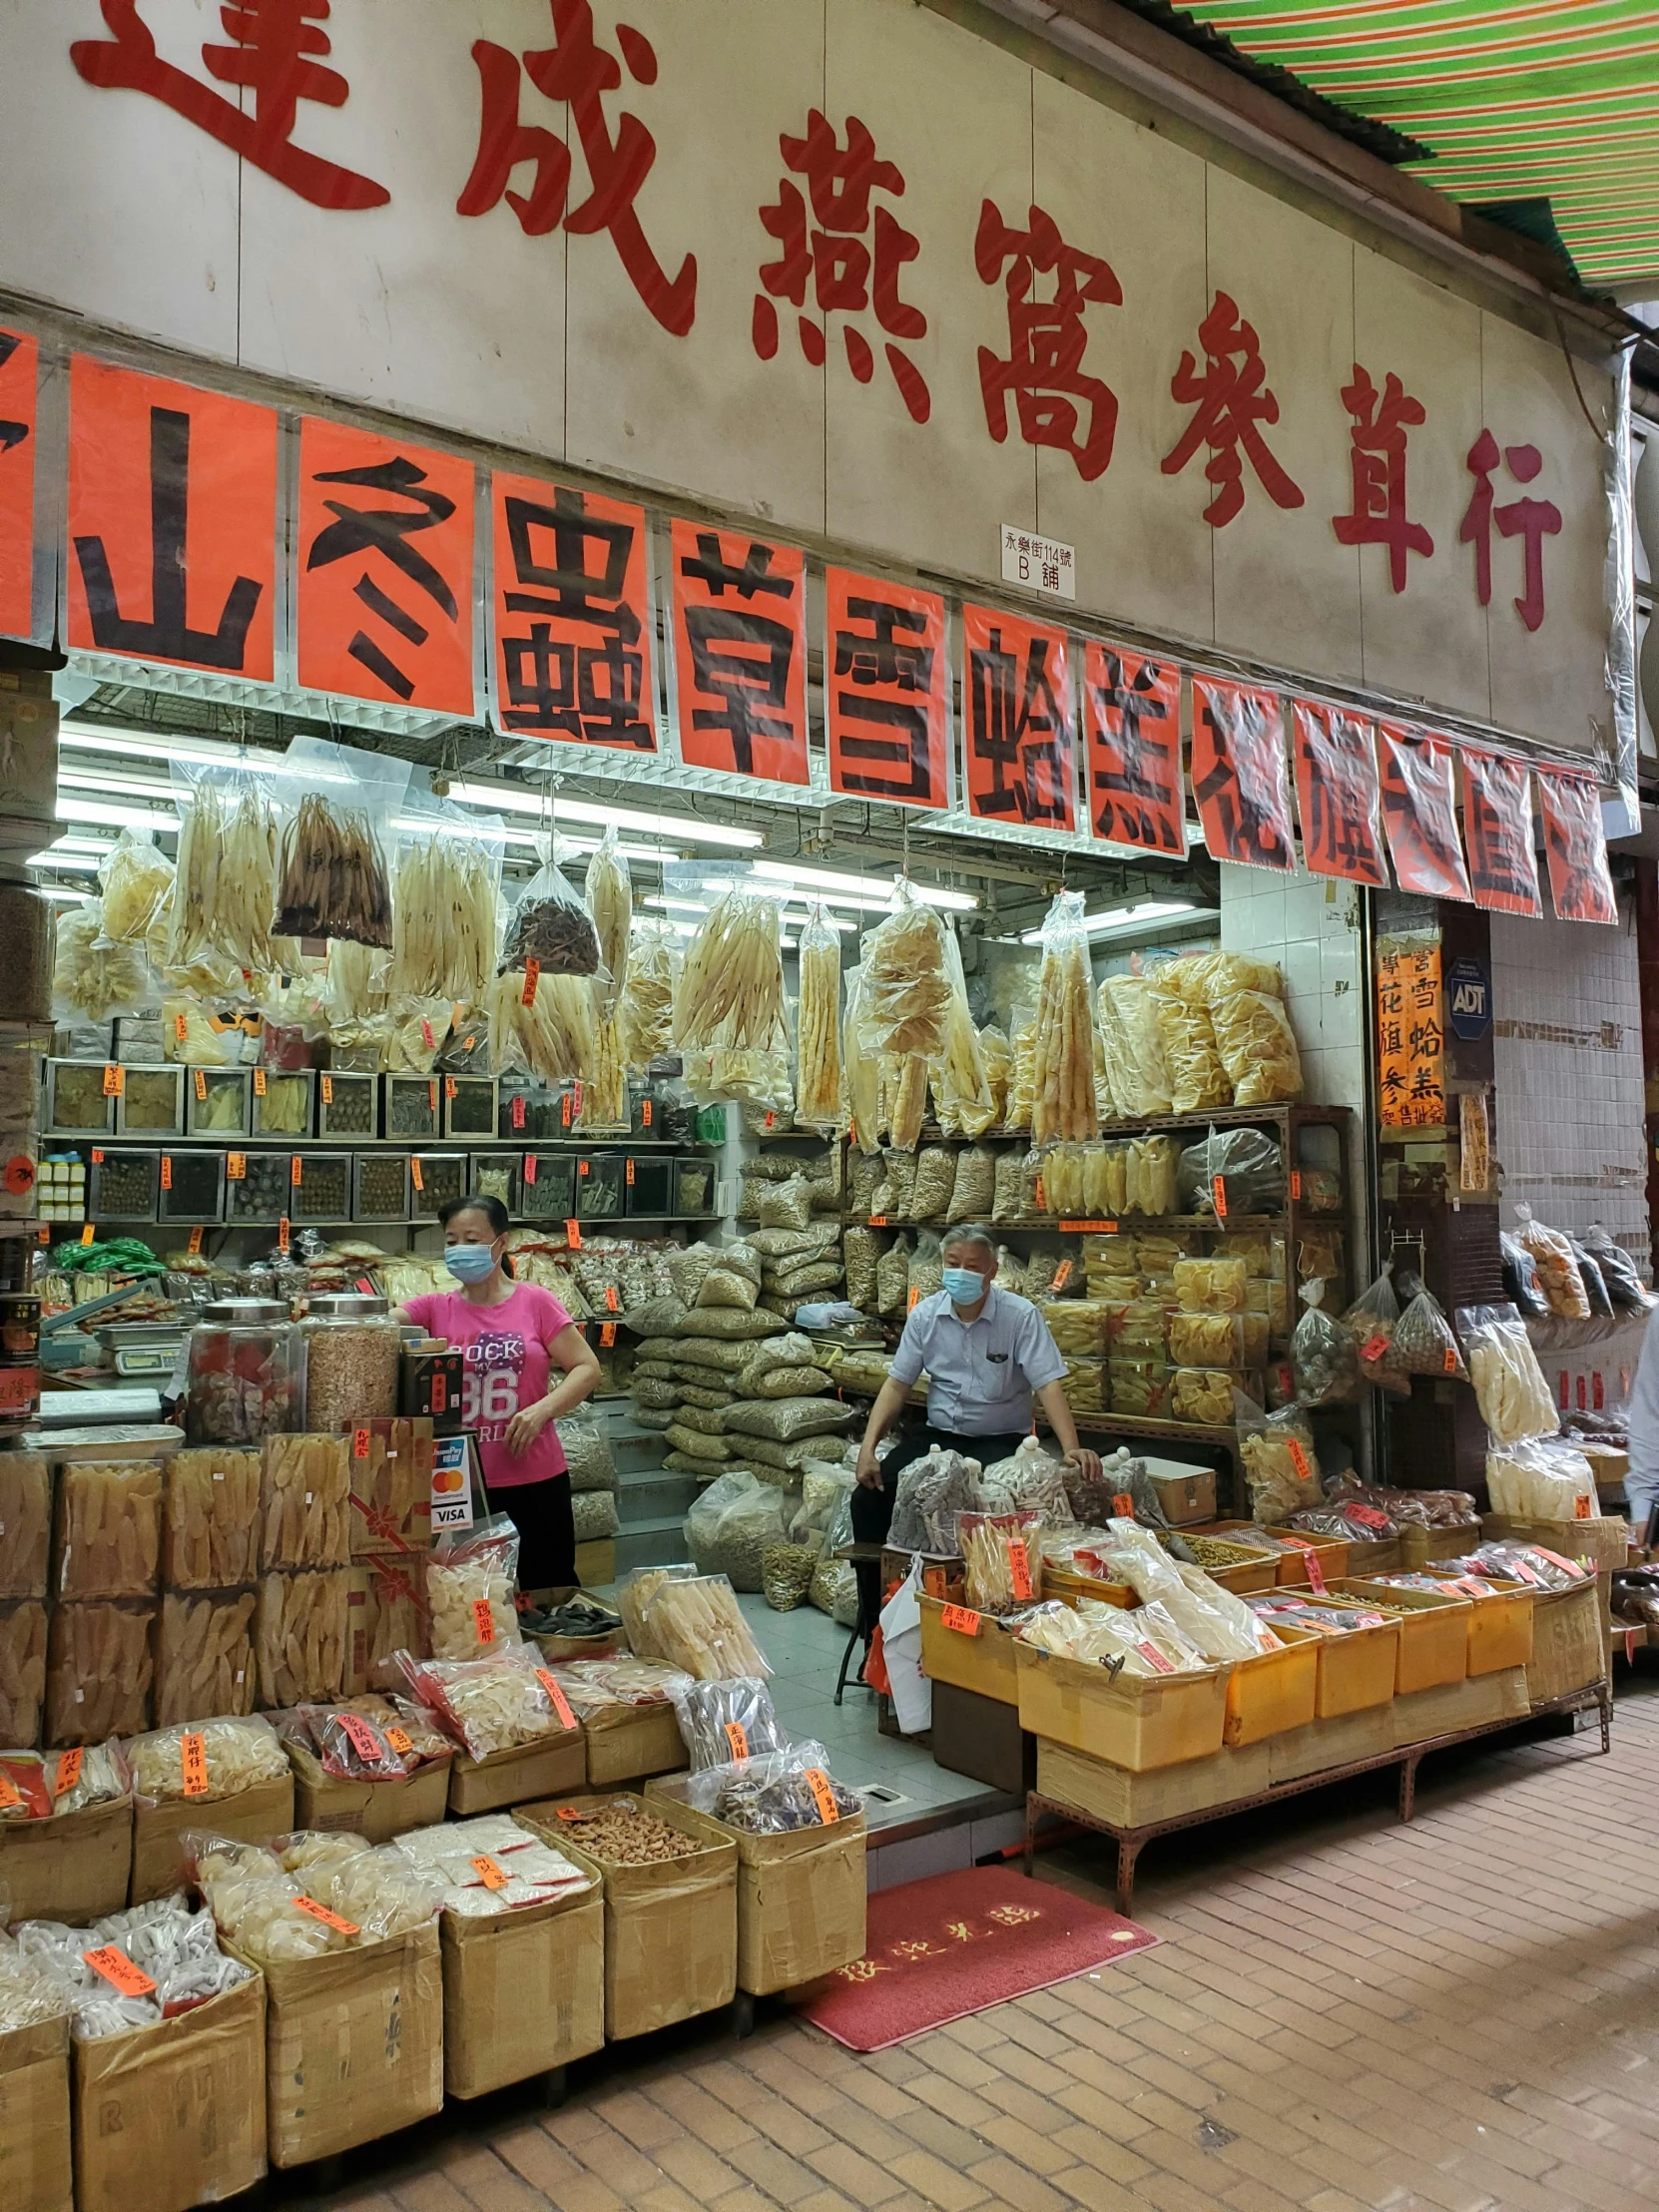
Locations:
{"points": [[470, 1263], [963, 1286]]}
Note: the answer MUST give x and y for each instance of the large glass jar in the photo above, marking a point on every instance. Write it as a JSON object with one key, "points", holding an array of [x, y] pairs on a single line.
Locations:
{"points": [[246, 1374], [351, 1349]]}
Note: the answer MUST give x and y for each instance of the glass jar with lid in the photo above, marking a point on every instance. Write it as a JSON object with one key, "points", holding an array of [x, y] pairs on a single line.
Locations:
{"points": [[247, 1369], [351, 1350]]}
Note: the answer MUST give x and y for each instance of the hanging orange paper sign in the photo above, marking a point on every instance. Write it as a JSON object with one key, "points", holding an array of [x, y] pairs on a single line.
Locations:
{"points": [[1337, 794], [1575, 847], [1497, 830], [1240, 786], [739, 653], [886, 684], [19, 419], [1132, 723], [1419, 807], [1019, 729]]}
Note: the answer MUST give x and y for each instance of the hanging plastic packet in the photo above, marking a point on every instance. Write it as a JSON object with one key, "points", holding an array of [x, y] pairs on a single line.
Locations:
{"points": [[1521, 1277], [1064, 1107], [447, 887], [645, 1011], [224, 879], [609, 895], [550, 925], [1323, 1361], [1282, 1469], [1371, 1321], [907, 979], [1510, 1387], [817, 1089], [1595, 1282], [90, 984], [332, 877], [730, 991], [1422, 1343], [136, 879]]}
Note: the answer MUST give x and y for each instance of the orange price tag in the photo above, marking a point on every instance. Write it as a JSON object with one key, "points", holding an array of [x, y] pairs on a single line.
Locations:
{"points": [[11, 1797], [167, 1171], [296, 1170], [1062, 1274], [192, 1763], [284, 1233], [259, 1082], [962, 1618], [416, 1176], [449, 1087], [328, 1920], [1448, 1359], [1218, 1191], [432, 1095], [195, 1237], [564, 1109], [644, 1113], [115, 1081], [118, 1970], [400, 1742], [359, 1443], [327, 1090], [201, 1086], [583, 1167], [573, 1234], [68, 1774], [1373, 1349], [569, 1813], [88, 1234], [532, 976], [1296, 1185], [489, 1874], [612, 1302], [915, 1298], [180, 1027], [1019, 1567], [628, 1174], [824, 1798], [236, 1166], [737, 1738], [483, 1620], [97, 1157], [607, 1334], [1298, 1457], [1582, 1509], [1042, 1197], [878, 1221], [1123, 1506], [556, 1692]]}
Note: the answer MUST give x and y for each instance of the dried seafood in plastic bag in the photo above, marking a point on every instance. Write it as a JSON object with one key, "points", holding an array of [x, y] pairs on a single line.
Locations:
{"points": [[332, 876], [204, 1658], [817, 1089], [730, 991], [645, 1011], [542, 1027], [1560, 1275], [1282, 1469], [861, 1069], [609, 895], [299, 1637], [25, 1524], [486, 1705], [1510, 1387], [98, 1672], [1211, 1286], [136, 878], [550, 925], [907, 980], [22, 1671], [1030, 1480], [1195, 1076], [96, 1775], [723, 1722], [1150, 1176], [1002, 1554], [471, 1584], [622, 1832], [109, 1528], [776, 1796], [1371, 1321], [931, 1491], [305, 1516], [230, 1756], [1133, 1045], [697, 1625], [1325, 1360], [225, 884], [1422, 1343], [1063, 1097], [443, 919], [967, 1105], [211, 1521], [91, 986]]}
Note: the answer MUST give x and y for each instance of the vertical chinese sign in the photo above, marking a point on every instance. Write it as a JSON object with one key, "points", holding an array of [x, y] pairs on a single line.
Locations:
{"points": [[384, 586], [19, 423], [573, 627], [1575, 845], [1239, 781], [1411, 1033], [172, 522], [1420, 806], [1132, 729], [1497, 829], [886, 684], [739, 653], [1337, 794], [1020, 727]]}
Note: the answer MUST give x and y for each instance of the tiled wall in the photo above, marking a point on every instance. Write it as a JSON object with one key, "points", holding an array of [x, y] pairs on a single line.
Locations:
{"points": [[1567, 1042], [1311, 926]]}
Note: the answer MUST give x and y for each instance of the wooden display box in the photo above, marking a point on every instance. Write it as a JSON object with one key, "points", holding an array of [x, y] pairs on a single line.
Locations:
{"points": [[1356, 1670], [800, 1896], [173, 2115], [35, 2168], [1271, 1693], [627, 1743], [1125, 1800], [377, 1811], [515, 1777], [983, 1662], [254, 1816], [1132, 1720], [355, 2046], [1568, 1651], [671, 1928], [74, 1868], [523, 1991], [1476, 1702], [1434, 1633]]}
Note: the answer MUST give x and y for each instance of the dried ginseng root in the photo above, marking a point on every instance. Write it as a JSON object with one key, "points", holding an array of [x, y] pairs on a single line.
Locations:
{"points": [[98, 1673], [211, 1526], [334, 879], [22, 1671], [109, 1528], [25, 1524], [1064, 1105], [299, 1638], [818, 1021], [304, 1516], [204, 1658]]}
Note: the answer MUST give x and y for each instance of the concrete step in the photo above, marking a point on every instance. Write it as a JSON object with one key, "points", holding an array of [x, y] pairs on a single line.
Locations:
{"points": [[641, 1454], [651, 1543], [652, 1493]]}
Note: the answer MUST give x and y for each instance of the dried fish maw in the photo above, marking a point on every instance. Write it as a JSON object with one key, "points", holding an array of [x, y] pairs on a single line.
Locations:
{"points": [[211, 1526], [109, 1530], [25, 1524]]}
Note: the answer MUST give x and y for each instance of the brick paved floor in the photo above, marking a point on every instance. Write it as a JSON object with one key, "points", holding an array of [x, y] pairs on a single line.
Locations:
{"points": [[1458, 2015]]}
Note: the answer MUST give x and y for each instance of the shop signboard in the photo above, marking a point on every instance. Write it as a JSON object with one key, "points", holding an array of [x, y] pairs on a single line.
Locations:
{"points": [[850, 270], [1337, 794], [887, 691], [1497, 832], [1131, 732], [740, 652], [1410, 1034], [1240, 786], [1420, 806]]}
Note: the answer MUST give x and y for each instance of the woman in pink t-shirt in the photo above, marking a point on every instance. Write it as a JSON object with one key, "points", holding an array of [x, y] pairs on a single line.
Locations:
{"points": [[514, 1335]]}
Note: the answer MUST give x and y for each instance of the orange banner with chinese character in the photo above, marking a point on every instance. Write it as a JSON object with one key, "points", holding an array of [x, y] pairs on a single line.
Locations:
{"points": [[1019, 721], [1575, 845], [172, 522], [1410, 1034], [1419, 807], [1497, 832], [1132, 726], [19, 425], [739, 653], [1337, 794], [886, 685], [383, 593], [1240, 784]]}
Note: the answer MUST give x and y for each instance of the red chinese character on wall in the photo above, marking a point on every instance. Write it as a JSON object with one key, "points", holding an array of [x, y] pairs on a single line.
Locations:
{"points": [[1532, 520], [577, 70], [1021, 730], [1044, 371], [1231, 400], [848, 275], [1376, 457], [276, 53]]}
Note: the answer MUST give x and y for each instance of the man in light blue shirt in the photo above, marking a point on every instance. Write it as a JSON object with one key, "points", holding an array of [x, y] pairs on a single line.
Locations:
{"points": [[986, 1353]]}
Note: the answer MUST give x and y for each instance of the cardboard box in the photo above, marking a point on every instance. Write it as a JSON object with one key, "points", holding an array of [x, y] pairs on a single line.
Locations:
{"points": [[157, 1854], [391, 1487], [1475, 1702], [1367, 1734], [515, 1777], [74, 1868], [1568, 1646], [671, 1928], [36, 2174], [1134, 1721], [1271, 1693], [626, 1743], [596, 1563], [376, 1810], [355, 2046], [981, 1661], [523, 1991], [1187, 1496], [800, 1896], [173, 2115], [981, 1736], [1124, 1799], [385, 1612], [1602, 1543], [1422, 1548], [1608, 1464]]}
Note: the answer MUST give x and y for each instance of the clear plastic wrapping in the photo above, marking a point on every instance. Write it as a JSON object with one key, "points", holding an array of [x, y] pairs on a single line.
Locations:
{"points": [[332, 875], [550, 925], [1325, 1360], [725, 1722], [230, 1756], [471, 1586], [1422, 1343], [25, 1524], [486, 1705], [225, 884], [136, 879], [1002, 1554], [1150, 1185], [1280, 1466], [1558, 1271], [1510, 1387], [1064, 1107], [1030, 1480], [1134, 1046], [1197, 1077], [930, 1493], [697, 1626], [645, 1011], [204, 1657], [776, 1796], [305, 1518], [299, 1637], [174, 1949], [1541, 1479], [448, 882], [22, 1671], [1218, 1624], [543, 1028], [907, 980], [609, 895], [99, 1672], [817, 1089], [730, 990], [1145, 1642]]}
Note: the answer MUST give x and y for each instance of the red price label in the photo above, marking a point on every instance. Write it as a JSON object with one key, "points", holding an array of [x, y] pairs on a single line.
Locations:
{"points": [[400, 1742], [913, 1300], [489, 1874], [644, 1113], [612, 1302], [11, 1797], [1448, 1359], [449, 1087], [1582, 1509], [328, 1920], [180, 1028], [628, 1174], [1019, 1567], [1062, 1274], [365, 1285], [201, 1086], [284, 1233], [607, 1334], [583, 1167], [118, 1970], [192, 1763], [1123, 1505], [1042, 1197], [878, 1221], [88, 1234], [296, 1170], [432, 1096], [167, 1171], [415, 1174], [737, 1738], [359, 1443], [962, 1618], [1373, 1349], [1158, 1661], [1296, 1185], [529, 1159], [429, 1041], [196, 1238], [1218, 1191], [440, 1390], [327, 1090], [824, 1798], [573, 1234], [483, 1620], [68, 1774], [532, 976], [556, 1694], [518, 1115], [97, 1157], [1298, 1457], [360, 1736]]}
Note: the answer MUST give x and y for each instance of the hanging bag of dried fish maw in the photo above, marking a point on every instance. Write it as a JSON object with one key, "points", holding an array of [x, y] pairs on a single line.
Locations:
{"points": [[355, 990], [1062, 1087], [471, 1585], [98, 1672], [299, 1637], [997, 1059], [1371, 1321], [862, 1068], [225, 881], [109, 1528], [961, 1083], [604, 1095], [609, 895], [730, 991], [22, 1671], [1003, 1554], [448, 882], [645, 1011], [25, 1525], [1510, 1387], [1134, 1045], [91, 986], [1560, 1275], [306, 1492], [331, 877], [817, 1089], [541, 1025], [136, 879], [1256, 1046], [908, 1107], [204, 1657], [1197, 1078], [907, 979], [1282, 1469]]}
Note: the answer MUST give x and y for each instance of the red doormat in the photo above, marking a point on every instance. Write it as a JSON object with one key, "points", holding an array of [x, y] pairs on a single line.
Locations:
{"points": [[952, 1944]]}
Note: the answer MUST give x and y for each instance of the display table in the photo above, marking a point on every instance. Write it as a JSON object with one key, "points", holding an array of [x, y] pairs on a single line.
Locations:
{"points": [[1408, 1757]]}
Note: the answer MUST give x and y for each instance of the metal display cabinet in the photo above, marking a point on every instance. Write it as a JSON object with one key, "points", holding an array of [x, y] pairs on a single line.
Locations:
{"points": [[413, 1108], [496, 1175], [380, 1187], [125, 1185], [469, 1107], [547, 1186], [435, 1178], [80, 1099], [257, 1187], [218, 1102], [601, 1185], [192, 1187], [151, 1102], [320, 1187], [648, 1185], [347, 1107], [694, 1188], [285, 1105]]}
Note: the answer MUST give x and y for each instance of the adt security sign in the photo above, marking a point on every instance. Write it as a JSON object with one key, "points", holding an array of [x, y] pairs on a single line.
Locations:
{"points": [[1468, 1000]]}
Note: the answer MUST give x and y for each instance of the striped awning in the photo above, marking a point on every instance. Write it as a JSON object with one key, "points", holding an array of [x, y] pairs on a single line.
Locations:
{"points": [[1520, 100]]}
